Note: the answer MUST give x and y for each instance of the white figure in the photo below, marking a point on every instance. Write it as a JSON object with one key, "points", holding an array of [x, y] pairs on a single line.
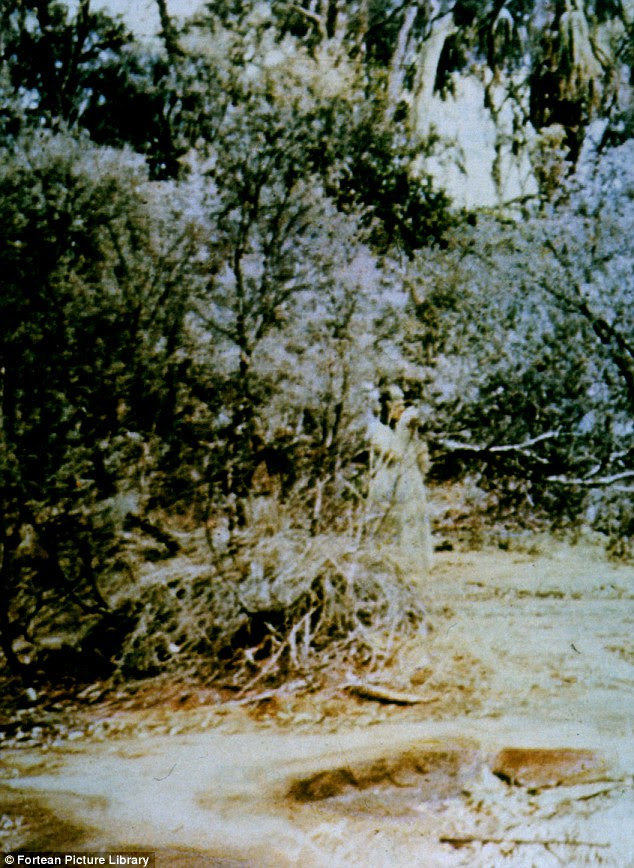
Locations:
{"points": [[397, 494]]}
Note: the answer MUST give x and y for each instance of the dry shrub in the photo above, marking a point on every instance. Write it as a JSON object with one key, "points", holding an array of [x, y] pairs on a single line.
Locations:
{"points": [[267, 606]]}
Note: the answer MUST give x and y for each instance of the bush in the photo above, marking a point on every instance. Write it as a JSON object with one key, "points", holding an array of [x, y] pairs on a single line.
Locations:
{"points": [[271, 606], [91, 317]]}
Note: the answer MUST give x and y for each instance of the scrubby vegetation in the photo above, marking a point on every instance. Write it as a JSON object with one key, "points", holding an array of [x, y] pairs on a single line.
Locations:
{"points": [[215, 253]]}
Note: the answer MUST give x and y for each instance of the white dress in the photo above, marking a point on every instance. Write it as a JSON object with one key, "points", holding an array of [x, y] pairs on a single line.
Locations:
{"points": [[397, 497]]}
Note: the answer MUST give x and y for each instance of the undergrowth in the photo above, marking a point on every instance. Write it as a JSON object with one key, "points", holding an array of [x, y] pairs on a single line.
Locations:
{"points": [[253, 607]]}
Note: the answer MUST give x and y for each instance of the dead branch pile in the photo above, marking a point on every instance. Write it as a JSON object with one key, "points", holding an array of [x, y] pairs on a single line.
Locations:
{"points": [[269, 607]]}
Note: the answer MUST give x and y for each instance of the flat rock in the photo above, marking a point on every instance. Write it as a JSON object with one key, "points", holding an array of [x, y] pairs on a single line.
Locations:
{"points": [[433, 771], [547, 767]]}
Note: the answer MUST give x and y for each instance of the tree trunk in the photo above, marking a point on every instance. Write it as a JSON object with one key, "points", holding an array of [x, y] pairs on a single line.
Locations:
{"points": [[398, 66], [168, 33]]}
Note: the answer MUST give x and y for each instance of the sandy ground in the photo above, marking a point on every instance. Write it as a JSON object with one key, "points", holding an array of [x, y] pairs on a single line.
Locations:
{"points": [[527, 651]]}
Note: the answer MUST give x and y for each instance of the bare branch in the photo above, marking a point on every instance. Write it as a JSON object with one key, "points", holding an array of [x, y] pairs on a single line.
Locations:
{"points": [[312, 16], [599, 481], [456, 445]]}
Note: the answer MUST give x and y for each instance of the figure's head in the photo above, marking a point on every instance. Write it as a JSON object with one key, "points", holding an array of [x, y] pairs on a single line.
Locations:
{"points": [[392, 405]]}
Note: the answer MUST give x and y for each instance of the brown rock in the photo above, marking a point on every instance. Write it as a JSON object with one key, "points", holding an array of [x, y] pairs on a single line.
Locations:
{"points": [[421, 674], [547, 767]]}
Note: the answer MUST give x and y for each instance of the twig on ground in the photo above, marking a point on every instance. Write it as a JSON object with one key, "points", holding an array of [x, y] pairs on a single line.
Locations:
{"points": [[387, 695], [265, 695], [463, 841], [596, 793], [270, 663]]}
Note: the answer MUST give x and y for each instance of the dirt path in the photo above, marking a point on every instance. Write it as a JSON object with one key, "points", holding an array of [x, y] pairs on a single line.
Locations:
{"points": [[527, 651]]}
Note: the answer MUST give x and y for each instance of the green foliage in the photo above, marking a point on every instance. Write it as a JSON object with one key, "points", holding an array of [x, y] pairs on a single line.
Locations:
{"points": [[345, 135], [56, 63], [213, 256], [91, 313], [85, 71], [373, 176], [527, 328]]}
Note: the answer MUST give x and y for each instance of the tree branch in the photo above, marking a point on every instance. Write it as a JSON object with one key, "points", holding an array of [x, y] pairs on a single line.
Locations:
{"points": [[457, 446], [590, 481], [168, 34], [312, 16]]}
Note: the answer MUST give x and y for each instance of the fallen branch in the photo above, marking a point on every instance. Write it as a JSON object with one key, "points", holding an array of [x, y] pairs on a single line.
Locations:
{"points": [[306, 638], [267, 695], [387, 695], [266, 668], [542, 842], [603, 792]]}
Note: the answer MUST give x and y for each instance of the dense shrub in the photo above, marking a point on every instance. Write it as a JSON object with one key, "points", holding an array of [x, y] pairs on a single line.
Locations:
{"points": [[189, 365]]}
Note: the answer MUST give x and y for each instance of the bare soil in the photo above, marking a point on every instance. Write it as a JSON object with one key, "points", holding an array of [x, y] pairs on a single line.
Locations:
{"points": [[513, 746]]}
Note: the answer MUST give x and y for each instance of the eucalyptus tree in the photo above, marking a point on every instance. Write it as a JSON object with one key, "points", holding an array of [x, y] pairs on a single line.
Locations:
{"points": [[559, 62]]}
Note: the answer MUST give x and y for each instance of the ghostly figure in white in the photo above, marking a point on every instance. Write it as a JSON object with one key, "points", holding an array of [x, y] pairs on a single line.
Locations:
{"points": [[397, 498]]}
